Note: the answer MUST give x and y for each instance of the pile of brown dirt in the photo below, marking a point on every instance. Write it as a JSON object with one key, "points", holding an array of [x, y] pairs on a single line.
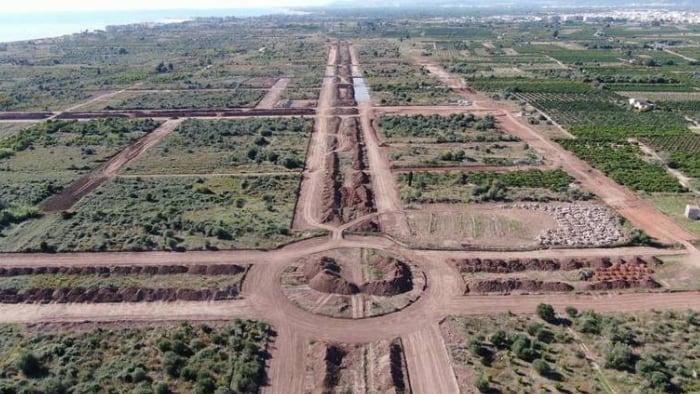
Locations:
{"points": [[323, 275], [511, 284], [620, 284], [397, 278], [213, 269], [501, 266], [114, 294], [627, 269]]}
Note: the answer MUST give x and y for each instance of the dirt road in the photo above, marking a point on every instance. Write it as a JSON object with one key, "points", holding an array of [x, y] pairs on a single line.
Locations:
{"points": [[385, 190], [87, 183], [308, 209], [273, 95], [428, 363]]}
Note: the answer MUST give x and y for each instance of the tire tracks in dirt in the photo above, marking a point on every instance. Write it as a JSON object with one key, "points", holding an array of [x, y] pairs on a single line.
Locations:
{"points": [[273, 95], [429, 366]]}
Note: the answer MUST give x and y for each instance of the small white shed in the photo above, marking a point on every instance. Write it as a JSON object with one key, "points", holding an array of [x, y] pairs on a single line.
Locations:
{"points": [[692, 212]]}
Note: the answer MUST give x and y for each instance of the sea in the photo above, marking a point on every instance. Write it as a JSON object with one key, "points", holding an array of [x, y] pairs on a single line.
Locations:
{"points": [[35, 25]]}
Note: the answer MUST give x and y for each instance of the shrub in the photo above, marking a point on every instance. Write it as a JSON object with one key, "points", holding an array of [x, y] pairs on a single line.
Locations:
{"points": [[546, 313], [205, 382], [54, 386], [620, 357], [542, 367], [162, 388], [500, 339], [571, 312], [29, 364], [482, 385]]}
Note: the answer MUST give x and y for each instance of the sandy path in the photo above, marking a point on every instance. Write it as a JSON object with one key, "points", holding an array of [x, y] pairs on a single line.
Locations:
{"points": [[87, 183], [428, 363], [634, 209], [286, 370], [466, 168], [273, 95], [296, 250], [606, 303], [434, 110], [232, 174], [386, 195], [151, 312], [308, 209]]}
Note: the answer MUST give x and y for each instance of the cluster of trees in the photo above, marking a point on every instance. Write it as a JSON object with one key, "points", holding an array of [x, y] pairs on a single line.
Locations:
{"points": [[621, 161], [103, 132], [451, 128], [15, 214], [204, 359]]}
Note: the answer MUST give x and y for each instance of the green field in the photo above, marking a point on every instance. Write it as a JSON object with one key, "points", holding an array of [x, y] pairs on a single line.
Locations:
{"points": [[162, 359], [229, 146], [169, 213], [653, 352]]}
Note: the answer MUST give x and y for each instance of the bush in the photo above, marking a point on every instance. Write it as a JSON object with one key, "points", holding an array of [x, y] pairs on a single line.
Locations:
{"points": [[523, 348], [205, 382], [162, 388], [482, 385], [620, 357], [54, 386], [571, 312], [546, 313], [29, 364], [542, 367], [500, 339]]}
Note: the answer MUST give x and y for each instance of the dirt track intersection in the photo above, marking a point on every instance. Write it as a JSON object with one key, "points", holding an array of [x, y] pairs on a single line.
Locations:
{"points": [[348, 190]]}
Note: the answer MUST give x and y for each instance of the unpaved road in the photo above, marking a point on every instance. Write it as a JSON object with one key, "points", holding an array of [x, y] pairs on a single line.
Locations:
{"points": [[87, 183], [273, 95], [428, 362], [386, 194], [634, 209], [308, 209], [467, 168]]}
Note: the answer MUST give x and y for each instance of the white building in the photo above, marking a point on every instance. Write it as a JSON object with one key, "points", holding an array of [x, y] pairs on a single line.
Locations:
{"points": [[692, 212]]}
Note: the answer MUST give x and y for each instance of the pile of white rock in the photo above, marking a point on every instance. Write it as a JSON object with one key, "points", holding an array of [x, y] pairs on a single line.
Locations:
{"points": [[578, 225]]}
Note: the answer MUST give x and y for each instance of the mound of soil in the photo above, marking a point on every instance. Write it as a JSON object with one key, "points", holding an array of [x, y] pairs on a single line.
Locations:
{"points": [[328, 281], [509, 285], [213, 269], [567, 264], [324, 274], [114, 294], [620, 284], [397, 278], [319, 264]]}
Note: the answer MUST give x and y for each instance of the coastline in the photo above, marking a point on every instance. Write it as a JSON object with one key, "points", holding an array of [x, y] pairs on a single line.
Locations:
{"points": [[24, 26]]}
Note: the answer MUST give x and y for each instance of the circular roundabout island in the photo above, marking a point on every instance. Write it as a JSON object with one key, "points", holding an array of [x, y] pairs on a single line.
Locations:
{"points": [[353, 283]]}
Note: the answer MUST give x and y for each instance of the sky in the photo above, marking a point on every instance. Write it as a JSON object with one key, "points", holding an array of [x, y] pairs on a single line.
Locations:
{"points": [[89, 5]]}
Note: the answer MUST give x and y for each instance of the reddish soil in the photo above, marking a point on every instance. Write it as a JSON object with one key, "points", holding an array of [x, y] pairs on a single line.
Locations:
{"points": [[211, 269], [396, 279], [599, 263], [114, 295], [273, 95], [520, 285], [325, 275]]}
